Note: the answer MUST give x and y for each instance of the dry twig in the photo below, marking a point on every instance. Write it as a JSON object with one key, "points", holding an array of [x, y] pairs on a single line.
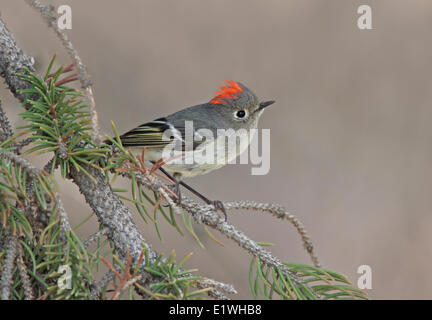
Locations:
{"points": [[47, 12]]}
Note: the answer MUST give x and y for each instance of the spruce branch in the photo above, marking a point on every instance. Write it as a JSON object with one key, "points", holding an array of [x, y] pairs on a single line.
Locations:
{"points": [[47, 12], [208, 215], [220, 286], [7, 131], [13, 61], [36, 174], [8, 268], [24, 276]]}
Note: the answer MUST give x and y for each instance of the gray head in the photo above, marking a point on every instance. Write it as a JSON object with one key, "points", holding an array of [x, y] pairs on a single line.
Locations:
{"points": [[239, 104]]}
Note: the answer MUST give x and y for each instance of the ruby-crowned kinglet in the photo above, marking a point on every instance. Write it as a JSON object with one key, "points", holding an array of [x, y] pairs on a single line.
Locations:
{"points": [[235, 108]]}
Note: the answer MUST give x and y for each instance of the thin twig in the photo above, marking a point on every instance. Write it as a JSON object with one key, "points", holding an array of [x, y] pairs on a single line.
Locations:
{"points": [[98, 287], [279, 212], [22, 144], [220, 286], [47, 12], [95, 236]]}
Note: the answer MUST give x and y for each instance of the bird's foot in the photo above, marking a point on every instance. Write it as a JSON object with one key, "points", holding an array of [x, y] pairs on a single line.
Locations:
{"points": [[219, 206]]}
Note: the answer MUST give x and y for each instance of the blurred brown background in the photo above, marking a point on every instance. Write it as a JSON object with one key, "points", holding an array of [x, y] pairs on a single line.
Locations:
{"points": [[350, 133]]}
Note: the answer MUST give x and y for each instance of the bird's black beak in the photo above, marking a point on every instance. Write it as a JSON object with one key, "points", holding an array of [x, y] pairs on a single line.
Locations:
{"points": [[265, 104]]}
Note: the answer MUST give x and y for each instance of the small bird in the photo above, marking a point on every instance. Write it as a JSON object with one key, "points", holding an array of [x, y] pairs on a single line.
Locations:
{"points": [[233, 107]]}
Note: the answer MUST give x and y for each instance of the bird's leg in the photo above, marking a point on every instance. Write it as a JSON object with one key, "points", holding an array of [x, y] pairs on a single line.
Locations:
{"points": [[216, 203], [174, 178]]}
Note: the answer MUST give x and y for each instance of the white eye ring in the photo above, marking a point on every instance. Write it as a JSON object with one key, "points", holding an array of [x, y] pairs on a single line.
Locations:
{"points": [[241, 114]]}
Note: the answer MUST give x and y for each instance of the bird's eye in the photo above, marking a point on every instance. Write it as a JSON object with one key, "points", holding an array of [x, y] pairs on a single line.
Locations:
{"points": [[240, 114]]}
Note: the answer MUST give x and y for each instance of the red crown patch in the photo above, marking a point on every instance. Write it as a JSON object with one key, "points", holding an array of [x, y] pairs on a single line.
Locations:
{"points": [[226, 91]]}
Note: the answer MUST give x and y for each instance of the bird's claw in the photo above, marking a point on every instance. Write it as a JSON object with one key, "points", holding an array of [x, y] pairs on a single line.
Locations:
{"points": [[219, 206]]}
